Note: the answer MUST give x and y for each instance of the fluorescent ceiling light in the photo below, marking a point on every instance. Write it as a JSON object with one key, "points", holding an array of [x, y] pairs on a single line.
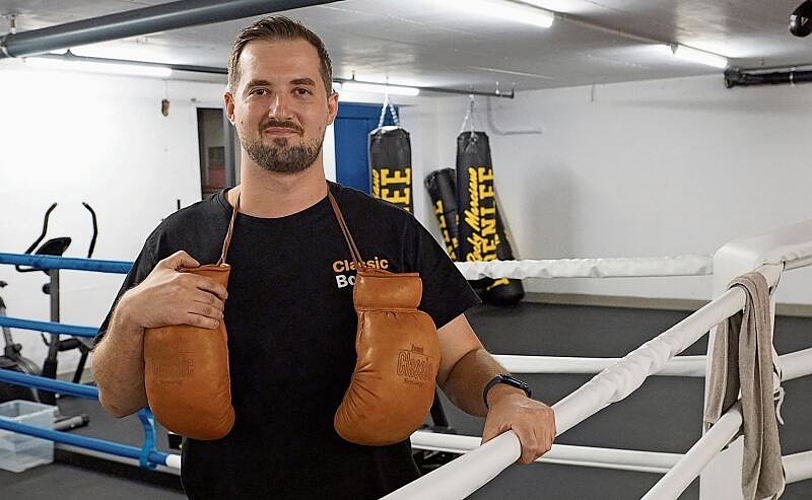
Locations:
{"points": [[519, 12], [698, 56], [379, 88], [98, 67]]}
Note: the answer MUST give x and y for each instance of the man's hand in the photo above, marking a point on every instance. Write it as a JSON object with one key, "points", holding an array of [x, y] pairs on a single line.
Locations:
{"points": [[531, 420], [169, 297]]}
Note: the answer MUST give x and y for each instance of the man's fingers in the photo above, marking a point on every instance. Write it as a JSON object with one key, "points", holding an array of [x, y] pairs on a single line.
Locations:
{"points": [[179, 260], [530, 446], [207, 310], [532, 421], [491, 431], [201, 321], [208, 285]]}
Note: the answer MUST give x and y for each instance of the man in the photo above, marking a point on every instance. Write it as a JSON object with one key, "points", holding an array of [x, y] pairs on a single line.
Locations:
{"points": [[288, 308]]}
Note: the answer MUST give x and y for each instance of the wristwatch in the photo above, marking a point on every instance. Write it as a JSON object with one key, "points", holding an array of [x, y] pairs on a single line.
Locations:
{"points": [[503, 378]]}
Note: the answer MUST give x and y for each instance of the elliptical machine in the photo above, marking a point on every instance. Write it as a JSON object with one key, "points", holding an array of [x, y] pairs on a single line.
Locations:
{"points": [[57, 247], [12, 357]]}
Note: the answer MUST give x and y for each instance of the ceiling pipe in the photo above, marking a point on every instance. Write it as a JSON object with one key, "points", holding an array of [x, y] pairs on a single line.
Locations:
{"points": [[744, 78], [136, 22]]}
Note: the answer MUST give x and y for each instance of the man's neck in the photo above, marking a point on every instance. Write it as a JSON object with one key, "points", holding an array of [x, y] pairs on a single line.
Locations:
{"points": [[271, 194]]}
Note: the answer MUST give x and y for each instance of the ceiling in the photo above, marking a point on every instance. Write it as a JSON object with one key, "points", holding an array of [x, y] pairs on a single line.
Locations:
{"points": [[437, 43]]}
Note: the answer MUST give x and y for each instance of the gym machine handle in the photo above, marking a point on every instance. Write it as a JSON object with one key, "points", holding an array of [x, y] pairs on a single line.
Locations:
{"points": [[95, 229], [37, 241], [59, 245]]}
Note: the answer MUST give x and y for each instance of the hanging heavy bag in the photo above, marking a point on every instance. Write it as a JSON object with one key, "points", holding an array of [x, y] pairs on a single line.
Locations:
{"points": [[390, 162], [504, 291], [479, 235], [398, 355], [186, 368], [442, 192]]}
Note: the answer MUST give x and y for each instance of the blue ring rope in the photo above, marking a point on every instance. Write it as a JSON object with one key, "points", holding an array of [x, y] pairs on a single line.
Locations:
{"points": [[146, 455], [48, 326], [53, 262], [154, 456], [148, 424], [49, 384]]}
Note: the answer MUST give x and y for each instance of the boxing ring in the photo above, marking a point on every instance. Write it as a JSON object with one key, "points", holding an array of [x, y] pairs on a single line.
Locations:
{"points": [[770, 254], [616, 378]]}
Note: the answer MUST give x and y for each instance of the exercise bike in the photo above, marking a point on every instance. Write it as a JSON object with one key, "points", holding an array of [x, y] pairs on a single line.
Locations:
{"points": [[12, 359], [12, 354]]}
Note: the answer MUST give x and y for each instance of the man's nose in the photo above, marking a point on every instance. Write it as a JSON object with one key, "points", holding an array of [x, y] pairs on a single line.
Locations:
{"points": [[280, 107]]}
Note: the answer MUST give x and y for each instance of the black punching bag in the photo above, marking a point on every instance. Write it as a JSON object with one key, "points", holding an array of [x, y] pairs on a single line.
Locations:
{"points": [[390, 166], [440, 186], [481, 233]]}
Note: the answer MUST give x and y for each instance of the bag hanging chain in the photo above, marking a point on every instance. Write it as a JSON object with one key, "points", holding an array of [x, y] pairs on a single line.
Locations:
{"points": [[387, 104], [469, 117]]}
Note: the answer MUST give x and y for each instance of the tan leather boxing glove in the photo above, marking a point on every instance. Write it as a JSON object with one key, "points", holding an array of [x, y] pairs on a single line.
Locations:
{"points": [[398, 355], [186, 370], [392, 386], [187, 375]]}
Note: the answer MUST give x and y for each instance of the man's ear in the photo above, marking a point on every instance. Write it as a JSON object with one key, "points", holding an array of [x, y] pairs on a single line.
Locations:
{"points": [[228, 103], [332, 107]]}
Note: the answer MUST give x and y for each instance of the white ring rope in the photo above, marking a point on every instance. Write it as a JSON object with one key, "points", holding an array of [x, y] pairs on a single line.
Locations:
{"points": [[794, 365], [611, 385], [621, 379], [586, 456], [681, 265], [681, 366], [172, 465], [701, 453], [798, 466]]}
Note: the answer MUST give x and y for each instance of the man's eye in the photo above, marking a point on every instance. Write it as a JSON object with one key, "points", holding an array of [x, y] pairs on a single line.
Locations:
{"points": [[259, 92], [302, 91]]}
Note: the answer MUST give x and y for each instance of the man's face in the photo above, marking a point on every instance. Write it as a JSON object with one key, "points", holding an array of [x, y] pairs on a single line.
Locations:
{"points": [[280, 107]]}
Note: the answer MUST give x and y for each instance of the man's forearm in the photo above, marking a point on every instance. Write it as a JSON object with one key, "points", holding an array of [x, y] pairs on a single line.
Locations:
{"points": [[468, 378], [118, 367]]}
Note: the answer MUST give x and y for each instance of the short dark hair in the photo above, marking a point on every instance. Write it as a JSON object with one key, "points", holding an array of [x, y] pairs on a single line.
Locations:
{"points": [[274, 28]]}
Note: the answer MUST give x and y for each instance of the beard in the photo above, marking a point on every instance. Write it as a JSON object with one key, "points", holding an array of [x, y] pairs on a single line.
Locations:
{"points": [[279, 157]]}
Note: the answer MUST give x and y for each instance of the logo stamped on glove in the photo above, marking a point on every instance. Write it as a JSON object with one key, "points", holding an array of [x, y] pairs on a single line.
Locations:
{"points": [[173, 371], [414, 366]]}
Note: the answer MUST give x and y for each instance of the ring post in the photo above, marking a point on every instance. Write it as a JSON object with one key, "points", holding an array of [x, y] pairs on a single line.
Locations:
{"points": [[721, 479]]}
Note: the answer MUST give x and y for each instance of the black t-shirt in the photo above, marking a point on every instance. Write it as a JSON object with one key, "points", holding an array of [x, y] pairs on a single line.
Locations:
{"points": [[291, 337]]}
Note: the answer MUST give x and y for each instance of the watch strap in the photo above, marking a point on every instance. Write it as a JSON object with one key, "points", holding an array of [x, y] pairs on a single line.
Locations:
{"points": [[503, 378]]}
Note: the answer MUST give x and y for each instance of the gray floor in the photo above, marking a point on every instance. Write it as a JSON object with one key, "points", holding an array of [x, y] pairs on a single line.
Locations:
{"points": [[645, 421]]}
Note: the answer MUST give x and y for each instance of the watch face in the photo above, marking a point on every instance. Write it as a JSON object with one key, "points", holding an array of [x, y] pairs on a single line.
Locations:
{"points": [[510, 380]]}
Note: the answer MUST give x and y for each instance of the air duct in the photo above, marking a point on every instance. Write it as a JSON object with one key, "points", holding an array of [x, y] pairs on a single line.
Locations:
{"points": [[136, 22]]}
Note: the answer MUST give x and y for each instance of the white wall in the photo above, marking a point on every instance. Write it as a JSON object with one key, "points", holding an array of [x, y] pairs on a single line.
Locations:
{"points": [[68, 138], [643, 169]]}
